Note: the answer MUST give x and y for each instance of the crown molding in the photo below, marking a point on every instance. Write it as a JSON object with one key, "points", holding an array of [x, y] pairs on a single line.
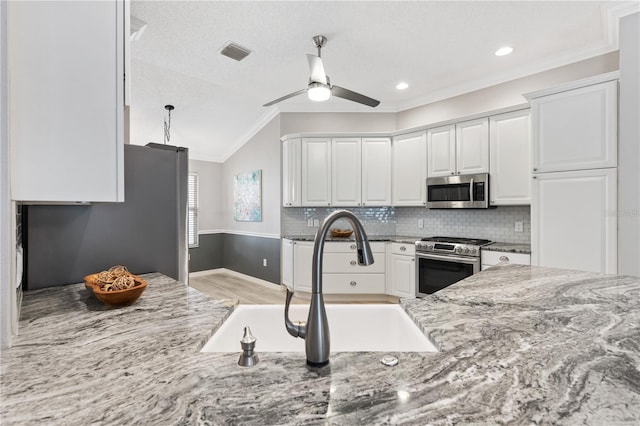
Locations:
{"points": [[259, 125]]}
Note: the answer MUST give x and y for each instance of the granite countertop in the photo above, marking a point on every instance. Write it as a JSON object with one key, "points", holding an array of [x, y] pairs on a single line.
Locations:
{"points": [[519, 344], [508, 247], [393, 238]]}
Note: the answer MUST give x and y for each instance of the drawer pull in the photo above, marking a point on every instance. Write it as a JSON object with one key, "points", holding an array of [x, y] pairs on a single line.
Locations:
{"points": [[353, 263], [403, 248], [352, 246], [504, 259], [353, 283]]}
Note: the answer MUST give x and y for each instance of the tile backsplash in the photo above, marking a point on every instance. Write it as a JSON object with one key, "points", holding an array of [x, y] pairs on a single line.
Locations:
{"points": [[493, 224]]}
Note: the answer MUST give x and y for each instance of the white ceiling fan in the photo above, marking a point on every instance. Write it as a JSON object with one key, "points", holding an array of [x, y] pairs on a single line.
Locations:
{"points": [[320, 87]]}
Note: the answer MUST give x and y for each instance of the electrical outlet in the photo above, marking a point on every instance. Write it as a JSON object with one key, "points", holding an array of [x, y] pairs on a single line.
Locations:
{"points": [[420, 223], [316, 222], [309, 222], [264, 262], [519, 227]]}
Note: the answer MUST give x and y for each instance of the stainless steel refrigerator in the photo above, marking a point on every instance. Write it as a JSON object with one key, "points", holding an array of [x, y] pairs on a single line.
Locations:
{"points": [[146, 233]]}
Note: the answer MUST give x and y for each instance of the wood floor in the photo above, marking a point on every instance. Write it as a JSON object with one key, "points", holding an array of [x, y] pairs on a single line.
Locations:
{"points": [[222, 286], [225, 286]]}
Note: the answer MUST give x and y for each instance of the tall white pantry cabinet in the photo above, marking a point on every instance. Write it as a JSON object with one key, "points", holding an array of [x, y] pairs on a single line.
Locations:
{"points": [[67, 95], [574, 165]]}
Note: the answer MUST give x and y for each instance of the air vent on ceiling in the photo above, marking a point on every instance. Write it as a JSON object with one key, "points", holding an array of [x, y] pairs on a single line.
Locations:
{"points": [[235, 51]]}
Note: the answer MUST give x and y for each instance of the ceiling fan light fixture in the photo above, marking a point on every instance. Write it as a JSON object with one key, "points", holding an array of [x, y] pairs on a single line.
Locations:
{"points": [[318, 92], [402, 85]]}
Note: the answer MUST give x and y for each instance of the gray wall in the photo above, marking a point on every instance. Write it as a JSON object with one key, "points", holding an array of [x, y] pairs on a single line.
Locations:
{"points": [[208, 254], [629, 148], [245, 254]]}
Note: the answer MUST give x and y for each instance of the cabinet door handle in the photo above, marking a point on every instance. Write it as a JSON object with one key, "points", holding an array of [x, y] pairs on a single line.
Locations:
{"points": [[504, 259], [352, 246], [353, 263], [353, 283], [535, 170], [403, 248]]}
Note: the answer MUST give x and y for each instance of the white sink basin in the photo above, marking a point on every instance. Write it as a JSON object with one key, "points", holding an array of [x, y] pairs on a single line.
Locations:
{"points": [[353, 328]]}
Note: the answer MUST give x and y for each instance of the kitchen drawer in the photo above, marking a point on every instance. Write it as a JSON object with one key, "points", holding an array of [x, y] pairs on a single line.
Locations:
{"points": [[348, 263], [350, 247], [494, 257], [353, 283], [403, 249]]}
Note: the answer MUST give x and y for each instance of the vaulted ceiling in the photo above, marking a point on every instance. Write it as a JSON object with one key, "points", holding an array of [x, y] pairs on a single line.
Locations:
{"points": [[440, 48]]}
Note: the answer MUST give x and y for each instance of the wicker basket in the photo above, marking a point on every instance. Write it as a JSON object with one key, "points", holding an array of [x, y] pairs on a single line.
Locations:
{"points": [[116, 297], [341, 233]]}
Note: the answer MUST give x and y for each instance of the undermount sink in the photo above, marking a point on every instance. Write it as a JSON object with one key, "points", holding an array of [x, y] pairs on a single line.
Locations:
{"points": [[353, 328]]}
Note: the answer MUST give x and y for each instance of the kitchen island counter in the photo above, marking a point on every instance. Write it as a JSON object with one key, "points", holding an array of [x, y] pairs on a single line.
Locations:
{"points": [[519, 344]]}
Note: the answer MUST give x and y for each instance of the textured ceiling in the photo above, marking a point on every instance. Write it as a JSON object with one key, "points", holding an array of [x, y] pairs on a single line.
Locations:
{"points": [[441, 49]]}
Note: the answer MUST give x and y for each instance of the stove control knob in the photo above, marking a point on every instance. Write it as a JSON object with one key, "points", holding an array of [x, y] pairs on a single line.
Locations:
{"points": [[429, 246], [458, 250], [466, 250], [473, 251]]}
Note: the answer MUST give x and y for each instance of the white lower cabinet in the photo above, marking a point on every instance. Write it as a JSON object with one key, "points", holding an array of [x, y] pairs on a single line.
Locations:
{"points": [[492, 258], [287, 262], [401, 279], [341, 272], [574, 221], [302, 262]]}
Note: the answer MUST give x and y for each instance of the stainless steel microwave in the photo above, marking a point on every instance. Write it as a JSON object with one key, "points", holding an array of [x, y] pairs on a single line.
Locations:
{"points": [[458, 192]]}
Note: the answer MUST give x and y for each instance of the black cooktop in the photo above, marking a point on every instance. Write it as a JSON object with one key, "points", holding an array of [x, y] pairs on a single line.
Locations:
{"points": [[454, 240]]}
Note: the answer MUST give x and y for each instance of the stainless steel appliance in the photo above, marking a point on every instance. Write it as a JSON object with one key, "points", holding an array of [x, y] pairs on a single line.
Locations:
{"points": [[458, 192], [442, 261]]}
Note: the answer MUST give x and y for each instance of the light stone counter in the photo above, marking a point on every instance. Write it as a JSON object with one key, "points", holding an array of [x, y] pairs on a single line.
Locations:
{"points": [[520, 345]]}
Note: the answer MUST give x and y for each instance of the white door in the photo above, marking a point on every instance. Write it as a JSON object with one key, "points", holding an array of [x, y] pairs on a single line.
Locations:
{"points": [[346, 169], [376, 171], [575, 129], [573, 220], [291, 173], [403, 276], [302, 259], [472, 147], [287, 262], [441, 151], [409, 170], [66, 100], [510, 173], [316, 172]]}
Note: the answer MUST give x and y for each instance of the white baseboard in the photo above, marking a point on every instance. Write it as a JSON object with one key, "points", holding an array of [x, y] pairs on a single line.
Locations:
{"points": [[235, 274]]}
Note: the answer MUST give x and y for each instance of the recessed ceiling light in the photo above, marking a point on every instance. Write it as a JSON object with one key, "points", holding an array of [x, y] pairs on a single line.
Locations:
{"points": [[402, 86], [504, 51]]}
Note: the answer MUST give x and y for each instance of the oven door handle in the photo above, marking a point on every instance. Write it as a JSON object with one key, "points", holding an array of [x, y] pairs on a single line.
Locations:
{"points": [[469, 260]]}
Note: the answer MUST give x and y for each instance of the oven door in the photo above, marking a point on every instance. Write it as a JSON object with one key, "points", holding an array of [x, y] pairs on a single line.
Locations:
{"points": [[435, 271]]}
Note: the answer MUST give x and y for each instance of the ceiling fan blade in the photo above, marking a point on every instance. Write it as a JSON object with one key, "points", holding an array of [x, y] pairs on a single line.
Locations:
{"points": [[343, 93], [285, 97], [316, 69]]}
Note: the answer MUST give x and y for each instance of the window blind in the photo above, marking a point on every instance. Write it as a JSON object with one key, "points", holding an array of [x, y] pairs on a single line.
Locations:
{"points": [[192, 210]]}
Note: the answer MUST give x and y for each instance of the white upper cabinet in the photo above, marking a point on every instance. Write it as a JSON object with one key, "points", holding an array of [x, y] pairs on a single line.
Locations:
{"points": [[316, 171], [573, 220], [409, 169], [66, 95], [472, 147], [441, 151], [346, 171], [462, 148], [376, 171], [291, 173], [510, 173], [575, 129]]}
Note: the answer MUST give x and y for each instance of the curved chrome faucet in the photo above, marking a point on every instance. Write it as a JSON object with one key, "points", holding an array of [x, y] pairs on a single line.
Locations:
{"points": [[316, 329]]}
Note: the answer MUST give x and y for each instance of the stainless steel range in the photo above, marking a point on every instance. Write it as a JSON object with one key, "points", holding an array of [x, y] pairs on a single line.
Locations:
{"points": [[442, 261]]}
